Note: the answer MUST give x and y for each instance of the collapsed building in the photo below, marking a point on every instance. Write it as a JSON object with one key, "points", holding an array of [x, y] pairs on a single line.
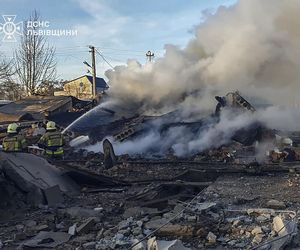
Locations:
{"points": [[209, 198]]}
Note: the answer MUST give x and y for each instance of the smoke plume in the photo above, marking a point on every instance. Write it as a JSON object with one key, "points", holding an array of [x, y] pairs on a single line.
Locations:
{"points": [[253, 46]]}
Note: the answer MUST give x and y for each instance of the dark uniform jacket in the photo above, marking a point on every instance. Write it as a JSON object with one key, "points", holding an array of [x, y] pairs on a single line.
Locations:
{"points": [[52, 142], [14, 143]]}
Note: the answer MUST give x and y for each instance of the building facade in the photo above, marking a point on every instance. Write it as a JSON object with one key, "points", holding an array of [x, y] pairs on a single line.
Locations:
{"points": [[82, 87]]}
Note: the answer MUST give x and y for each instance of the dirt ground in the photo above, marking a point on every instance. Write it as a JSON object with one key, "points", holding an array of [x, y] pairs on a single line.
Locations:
{"points": [[255, 191]]}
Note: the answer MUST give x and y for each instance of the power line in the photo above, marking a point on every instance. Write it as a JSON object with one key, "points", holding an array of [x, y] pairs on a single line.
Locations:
{"points": [[104, 59], [110, 48]]}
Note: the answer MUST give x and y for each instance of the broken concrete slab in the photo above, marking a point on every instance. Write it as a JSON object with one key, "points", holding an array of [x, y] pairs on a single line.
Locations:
{"points": [[30, 223], [72, 229], [154, 224], [178, 230], [32, 174], [212, 238], [84, 176], [263, 218], [275, 204], [86, 226], [166, 245], [80, 212], [89, 245], [139, 246], [125, 223], [204, 206], [256, 230], [132, 212], [19, 236], [257, 239], [285, 233], [47, 239], [53, 195], [40, 228], [279, 226]]}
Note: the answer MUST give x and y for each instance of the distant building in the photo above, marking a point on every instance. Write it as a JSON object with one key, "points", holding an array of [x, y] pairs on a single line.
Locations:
{"points": [[35, 108], [82, 87]]}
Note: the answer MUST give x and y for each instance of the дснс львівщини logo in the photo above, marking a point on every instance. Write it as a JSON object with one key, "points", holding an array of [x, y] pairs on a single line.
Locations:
{"points": [[33, 28], [9, 28]]}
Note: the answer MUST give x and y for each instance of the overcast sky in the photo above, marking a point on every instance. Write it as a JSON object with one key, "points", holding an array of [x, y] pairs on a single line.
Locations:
{"points": [[120, 29]]}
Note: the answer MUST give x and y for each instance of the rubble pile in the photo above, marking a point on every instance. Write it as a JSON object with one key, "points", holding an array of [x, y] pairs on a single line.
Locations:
{"points": [[223, 197], [207, 225]]}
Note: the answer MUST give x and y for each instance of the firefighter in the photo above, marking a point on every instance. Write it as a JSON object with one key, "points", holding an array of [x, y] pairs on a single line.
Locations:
{"points": [[52, 141], [13, 142]]}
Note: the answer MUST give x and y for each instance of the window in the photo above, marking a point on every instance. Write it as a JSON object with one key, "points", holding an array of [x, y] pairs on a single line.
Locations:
{"points": [[80, 86]]}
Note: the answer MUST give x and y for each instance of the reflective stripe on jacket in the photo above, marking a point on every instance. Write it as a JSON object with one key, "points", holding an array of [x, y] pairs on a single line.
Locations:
{"points": [[52, 142], [59, 151], [14, 143]]}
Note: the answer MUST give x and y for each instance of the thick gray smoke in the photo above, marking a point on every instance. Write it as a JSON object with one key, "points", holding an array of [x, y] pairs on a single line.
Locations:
{"points": [[253, 46], [182, 140]]}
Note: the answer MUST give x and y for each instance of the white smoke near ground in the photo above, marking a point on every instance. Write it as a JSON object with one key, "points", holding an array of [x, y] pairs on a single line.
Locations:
{"points": [[215, 135], [280, 118], [253, 47], [185, 142], [181, 139], [138, 146]]}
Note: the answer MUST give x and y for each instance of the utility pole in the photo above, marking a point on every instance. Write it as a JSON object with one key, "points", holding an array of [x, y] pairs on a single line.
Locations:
{"points": [[94, 70], [150, 56]]}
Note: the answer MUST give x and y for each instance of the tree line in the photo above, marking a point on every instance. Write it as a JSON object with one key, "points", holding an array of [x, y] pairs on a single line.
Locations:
{"points": [[32, 70]]}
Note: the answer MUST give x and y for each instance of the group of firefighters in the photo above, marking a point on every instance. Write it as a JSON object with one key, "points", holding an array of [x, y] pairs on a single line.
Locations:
{"points": [[52, 141]]}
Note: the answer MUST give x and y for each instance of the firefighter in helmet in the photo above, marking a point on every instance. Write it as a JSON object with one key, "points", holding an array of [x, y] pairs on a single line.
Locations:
{"points": [[52, 141], [13, 142]]}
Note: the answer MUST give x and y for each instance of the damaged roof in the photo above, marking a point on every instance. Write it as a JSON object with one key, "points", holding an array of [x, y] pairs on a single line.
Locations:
{"points": [[100, 82], [34, 105]]}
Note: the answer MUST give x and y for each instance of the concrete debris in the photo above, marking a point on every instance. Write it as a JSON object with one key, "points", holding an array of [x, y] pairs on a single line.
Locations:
{"points": [[80, 212], [156, 223], [41, 228], [275, 204], [279, 227], [72, 229], [168, 245], [86, 226], [89, 245], [263, 218], [30, 223], [257, 230], [47, 240], [46, 180], [226, 197], [205, 206], [53, 195], [212, 238], [257, 239], [139, 245]]}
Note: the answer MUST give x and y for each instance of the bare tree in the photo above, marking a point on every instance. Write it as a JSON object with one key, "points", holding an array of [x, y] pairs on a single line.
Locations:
{"points": [[49, 87], [35, 58], [8, 88], [6, 70]]}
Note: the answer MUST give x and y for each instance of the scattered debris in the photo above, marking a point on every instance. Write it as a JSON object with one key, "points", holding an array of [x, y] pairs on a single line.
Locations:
{"points": [[86, 226], [219, 198], [47, 239], [275, 204]]}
